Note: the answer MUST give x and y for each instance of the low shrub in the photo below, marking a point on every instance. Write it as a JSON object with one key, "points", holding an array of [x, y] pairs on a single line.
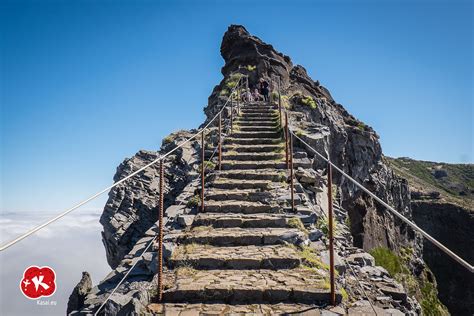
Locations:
{"points": [[309, 101], [194, 201], [251, 67], [386, 258]]}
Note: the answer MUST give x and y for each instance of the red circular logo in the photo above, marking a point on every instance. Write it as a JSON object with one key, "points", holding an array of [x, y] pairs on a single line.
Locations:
{"points": [[38, 282]]}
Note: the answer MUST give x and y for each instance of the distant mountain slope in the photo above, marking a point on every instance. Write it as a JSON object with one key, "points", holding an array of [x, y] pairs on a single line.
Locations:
{"points": [[453, 183]]}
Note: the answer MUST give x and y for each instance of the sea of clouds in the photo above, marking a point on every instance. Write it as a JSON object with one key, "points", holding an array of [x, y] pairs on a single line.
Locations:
{"points": [[71, 245]]}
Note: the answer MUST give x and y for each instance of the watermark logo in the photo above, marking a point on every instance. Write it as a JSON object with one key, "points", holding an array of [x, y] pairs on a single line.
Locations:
{"points": [[38, 282]]}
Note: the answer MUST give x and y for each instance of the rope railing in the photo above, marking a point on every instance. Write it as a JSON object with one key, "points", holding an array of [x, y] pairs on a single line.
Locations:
{"points": [[161, 157]]}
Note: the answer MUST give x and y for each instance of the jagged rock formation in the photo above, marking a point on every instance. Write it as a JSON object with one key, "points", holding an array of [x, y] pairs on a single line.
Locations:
{"points": [[255, 218], [132, 206], [79, 293]]}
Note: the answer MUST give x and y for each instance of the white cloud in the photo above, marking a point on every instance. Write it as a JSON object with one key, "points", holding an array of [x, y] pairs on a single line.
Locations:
{"points": [[70, 245]]}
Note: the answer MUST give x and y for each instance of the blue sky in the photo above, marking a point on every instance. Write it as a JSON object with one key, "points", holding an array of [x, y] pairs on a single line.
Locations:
{"points": [[85, 84]]}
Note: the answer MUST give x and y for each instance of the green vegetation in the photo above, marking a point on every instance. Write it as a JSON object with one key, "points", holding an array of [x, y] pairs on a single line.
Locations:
{"points": [[194, 201], [345, 296], [208, 166], [282, 176], [168, 139], [323, 225], [232, 80], [309, 101], [361, 126], [386, 258], [310, 259], [296, 222], [455, 186], [251, 67], [347, 221], [224, 92], [274, 96], [421, 287], [430, 303], [285, 101]]}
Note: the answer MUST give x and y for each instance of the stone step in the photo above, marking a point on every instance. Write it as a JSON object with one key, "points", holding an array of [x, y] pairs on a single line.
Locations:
{"points": [[241, 123], [271, 134], [242, 257], [230, 184], [234, 206], [250, 195], [277, 148], [252, 156], [272, 119], [246, 287], [257, 174], [237, 236], [271, 114], [257, 220], [175, 309], [256, 114], [257, 128], [244, 165], [259, 109], [253, 141]]}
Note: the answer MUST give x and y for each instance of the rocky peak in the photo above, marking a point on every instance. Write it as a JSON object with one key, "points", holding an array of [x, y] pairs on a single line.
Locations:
{"points": [[240, 49]]}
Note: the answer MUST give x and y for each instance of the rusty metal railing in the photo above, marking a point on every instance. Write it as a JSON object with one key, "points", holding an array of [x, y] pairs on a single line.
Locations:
{"points": [[289, 134]]}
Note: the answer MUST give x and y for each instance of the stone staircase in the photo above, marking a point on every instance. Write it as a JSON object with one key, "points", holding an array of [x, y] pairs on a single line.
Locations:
{"points": [[238, 255]]}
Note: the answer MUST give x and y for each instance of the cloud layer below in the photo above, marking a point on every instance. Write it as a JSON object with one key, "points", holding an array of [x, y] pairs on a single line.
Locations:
{"points": [[70, 245]]}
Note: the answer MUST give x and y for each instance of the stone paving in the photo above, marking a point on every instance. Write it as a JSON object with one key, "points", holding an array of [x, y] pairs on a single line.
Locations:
{"points": [[180, 309], [242, 257], [237, 256], [247, 286]]}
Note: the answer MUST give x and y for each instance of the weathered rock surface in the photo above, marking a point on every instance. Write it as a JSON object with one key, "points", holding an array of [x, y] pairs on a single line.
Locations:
{"points": [[451, 225], [79, 293], [132, 206]]}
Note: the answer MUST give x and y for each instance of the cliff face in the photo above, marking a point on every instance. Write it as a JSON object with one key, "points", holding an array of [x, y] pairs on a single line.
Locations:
{"points": [[132, 206], [451, 225], [351, 144]]}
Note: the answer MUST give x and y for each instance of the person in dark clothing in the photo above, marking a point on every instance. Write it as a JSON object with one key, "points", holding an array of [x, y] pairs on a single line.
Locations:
{"points": [[264, 88]]}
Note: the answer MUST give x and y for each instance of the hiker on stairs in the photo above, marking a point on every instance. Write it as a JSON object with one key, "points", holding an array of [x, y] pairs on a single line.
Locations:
{"points": [[264, 89]]}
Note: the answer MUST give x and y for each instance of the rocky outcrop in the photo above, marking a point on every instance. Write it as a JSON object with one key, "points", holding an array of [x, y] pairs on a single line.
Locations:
{"points": [[452, 226], [324, 123], [132, 205], [79, 293]]}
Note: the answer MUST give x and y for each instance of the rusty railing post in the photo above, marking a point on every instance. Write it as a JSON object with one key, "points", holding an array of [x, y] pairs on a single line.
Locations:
{"points": [[286, 140], [220, 141], [160, 234], [231, 115], [202, 171], [331, 236], [291, 173], [238, 99], [279, 98]]}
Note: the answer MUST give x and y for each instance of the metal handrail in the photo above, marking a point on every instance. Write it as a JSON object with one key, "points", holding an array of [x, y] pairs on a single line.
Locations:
{"points": [[390, 208], [37, 228]]}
